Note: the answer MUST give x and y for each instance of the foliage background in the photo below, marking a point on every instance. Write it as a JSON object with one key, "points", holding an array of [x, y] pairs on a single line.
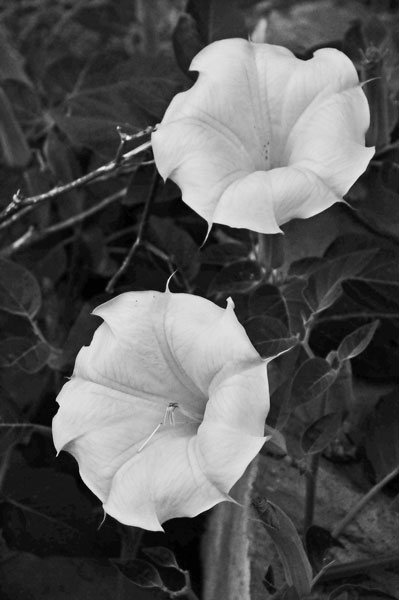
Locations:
{"points": [[70, 74]]}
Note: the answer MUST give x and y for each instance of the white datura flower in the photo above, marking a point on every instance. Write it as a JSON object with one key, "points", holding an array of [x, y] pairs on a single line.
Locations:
{"points": [[166, 407], [263, 137]]}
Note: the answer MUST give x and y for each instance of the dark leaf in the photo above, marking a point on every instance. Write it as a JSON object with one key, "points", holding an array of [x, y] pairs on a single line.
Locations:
{"points": [[290, 594], [382, 438], [217, 19], [318, 543], [30, 355], [238, 277], [224, 253], [52, 266], [379, 298], [180, 247], [276, 445], [382, 216], [267, 301], [281, 529], [161, 556], [312, 379], [19, 291], [357, 341], [80, 334], [306, 266], [341, 395], [324, 285], [269, 336], [320, 433], [140, 572], [11, 63], [44, 512], [24, 576], [15, 151], [297, 307], [187, 42]]}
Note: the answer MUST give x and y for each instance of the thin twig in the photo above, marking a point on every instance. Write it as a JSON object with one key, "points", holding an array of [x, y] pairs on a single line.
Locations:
{"points": [[36, 236], [42, 428], [140, 235], [341, 526], [20, 206]]}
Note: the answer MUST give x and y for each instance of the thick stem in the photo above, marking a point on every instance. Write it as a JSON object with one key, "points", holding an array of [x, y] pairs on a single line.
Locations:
{"points": [[311, 479], [310, 494]]}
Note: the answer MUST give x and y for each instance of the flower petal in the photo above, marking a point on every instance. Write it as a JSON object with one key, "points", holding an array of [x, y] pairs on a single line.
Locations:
{"points": [[163, 482], [337, 153], [101, 427], [250, 110], [153, 349]]}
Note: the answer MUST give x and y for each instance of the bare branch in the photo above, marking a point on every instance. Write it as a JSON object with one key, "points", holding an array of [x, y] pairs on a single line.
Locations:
{"points": [[21, 206], [140, 234], [32, 236]]}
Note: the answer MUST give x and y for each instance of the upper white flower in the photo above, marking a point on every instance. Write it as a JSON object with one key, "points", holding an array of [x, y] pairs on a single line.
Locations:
{"points": [[263, 137]]}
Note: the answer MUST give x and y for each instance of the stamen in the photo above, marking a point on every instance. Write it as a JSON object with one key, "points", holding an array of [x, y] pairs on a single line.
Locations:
{"points": [[168, 419]]}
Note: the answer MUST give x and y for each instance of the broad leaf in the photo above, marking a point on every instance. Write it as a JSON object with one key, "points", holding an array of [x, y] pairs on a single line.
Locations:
{"points": [[269, 336], [141, 572], [324, 285], [320, 433], [381, 216], [224, 253], [276, 445], [312, 379], [11, 63], [267, 301], [357, 341], [187, 42], [379, 298], [15, 151], [382, 437], [19, 290], [25, 576], [180, 247], [217, 19], [281, 529], [162, 556], [297, 308], [306, 266], [30, 355], [240, 277], [45, 513]]}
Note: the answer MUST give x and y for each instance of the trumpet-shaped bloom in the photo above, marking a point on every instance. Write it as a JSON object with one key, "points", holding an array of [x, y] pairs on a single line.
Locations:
{"points": [[166, 407], [263, 137]]}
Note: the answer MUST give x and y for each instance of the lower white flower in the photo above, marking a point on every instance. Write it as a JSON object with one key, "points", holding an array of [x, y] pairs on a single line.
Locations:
{"points": [[166, 407]]}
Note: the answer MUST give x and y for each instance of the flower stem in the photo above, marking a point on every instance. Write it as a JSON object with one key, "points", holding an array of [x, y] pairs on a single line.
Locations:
{"points": [[340, 527], [311, 479], [310, 493], [140, 235]]}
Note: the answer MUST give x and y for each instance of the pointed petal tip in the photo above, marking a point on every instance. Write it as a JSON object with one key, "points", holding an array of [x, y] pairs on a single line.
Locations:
{"points": [[149, 523], [167, 288], [230, 303]]}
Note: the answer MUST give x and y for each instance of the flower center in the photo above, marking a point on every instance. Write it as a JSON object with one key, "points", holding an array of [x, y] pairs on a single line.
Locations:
{"points": [[168, 419]]}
